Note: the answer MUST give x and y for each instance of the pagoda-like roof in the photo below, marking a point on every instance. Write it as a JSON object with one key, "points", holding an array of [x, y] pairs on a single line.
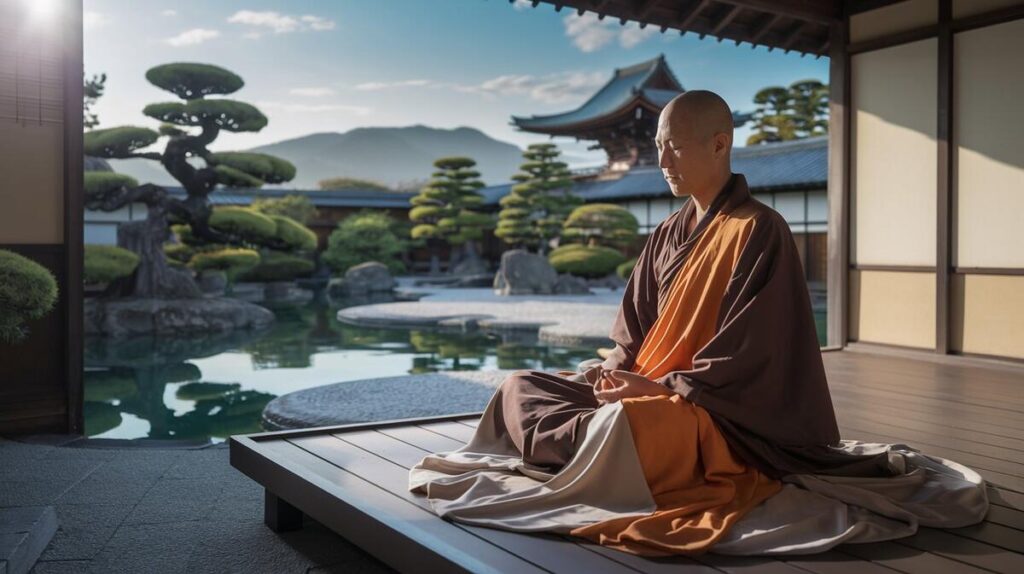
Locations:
{"points": [[651, 84]]}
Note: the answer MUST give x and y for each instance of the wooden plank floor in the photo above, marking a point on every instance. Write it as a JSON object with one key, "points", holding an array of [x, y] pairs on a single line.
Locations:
{"points": [[968, 413]]}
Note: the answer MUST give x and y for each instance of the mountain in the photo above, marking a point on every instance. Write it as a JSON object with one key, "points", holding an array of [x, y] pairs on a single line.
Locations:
{"points": [[388, 155], [393, 155]]}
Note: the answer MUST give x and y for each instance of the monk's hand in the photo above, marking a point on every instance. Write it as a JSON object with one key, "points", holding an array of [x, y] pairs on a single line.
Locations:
{"points": [[617, 385]]}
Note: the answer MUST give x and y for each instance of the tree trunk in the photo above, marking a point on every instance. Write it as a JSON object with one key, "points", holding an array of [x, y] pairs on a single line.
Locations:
{"points": [[153, 278]]}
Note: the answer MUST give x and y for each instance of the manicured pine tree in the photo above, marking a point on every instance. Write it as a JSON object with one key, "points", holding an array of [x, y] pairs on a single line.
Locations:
{"points": [[533, 212], [190, 126], [445, 211]]}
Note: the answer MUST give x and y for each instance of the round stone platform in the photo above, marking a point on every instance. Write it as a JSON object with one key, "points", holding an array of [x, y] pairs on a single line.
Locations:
{"points": [[582, 320], [409, 396]]}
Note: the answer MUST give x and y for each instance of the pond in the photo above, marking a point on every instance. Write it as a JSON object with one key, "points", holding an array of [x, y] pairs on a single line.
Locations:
{"points": [[210, 387]]}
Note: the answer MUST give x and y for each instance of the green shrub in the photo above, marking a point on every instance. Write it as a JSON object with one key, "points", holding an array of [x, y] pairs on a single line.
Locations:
{"points": [[601, 224], [277, 266], [298, 207], [363, 237], [231, 261], [244, 223], [27, 291], [294, 234], [105, 263], [178, 252], [626, 268], [585, 261]]}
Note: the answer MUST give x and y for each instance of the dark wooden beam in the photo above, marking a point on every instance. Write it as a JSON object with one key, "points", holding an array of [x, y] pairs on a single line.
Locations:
{"points": [[787, 44], [767, 24], [641, 8], [944, 180], [858, 6], [821, 11], [690, 13], [717, 28], [74, 211]]}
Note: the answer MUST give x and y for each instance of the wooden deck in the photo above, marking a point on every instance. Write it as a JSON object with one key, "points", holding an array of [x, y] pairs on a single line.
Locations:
{"points": [[354, 479]]}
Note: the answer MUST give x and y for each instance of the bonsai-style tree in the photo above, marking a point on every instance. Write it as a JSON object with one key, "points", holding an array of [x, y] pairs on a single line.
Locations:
{"points": [[445, 208], [796, 112], [190, 126], [604, 224], [536, 207]]}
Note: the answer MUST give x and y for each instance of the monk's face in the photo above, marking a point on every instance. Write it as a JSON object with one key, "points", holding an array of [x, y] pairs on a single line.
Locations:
{"points": [[690, 154]]}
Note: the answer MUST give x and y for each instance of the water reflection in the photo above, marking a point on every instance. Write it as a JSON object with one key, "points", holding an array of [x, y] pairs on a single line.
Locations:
{"points": [[214, 386]]}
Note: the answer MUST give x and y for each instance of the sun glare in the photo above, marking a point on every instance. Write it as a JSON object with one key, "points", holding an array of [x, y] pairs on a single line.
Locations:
{"points": [[43, 9]]}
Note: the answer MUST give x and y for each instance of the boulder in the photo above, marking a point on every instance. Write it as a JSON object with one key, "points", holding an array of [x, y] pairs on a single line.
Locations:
{"points": [[212, 281], [137, 316], [361, 280], [571, 285], [524, 273], [612, 281]]}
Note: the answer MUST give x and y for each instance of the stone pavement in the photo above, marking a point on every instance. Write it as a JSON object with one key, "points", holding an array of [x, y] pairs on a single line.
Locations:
{"points": [[156, 510], [558, 319]]}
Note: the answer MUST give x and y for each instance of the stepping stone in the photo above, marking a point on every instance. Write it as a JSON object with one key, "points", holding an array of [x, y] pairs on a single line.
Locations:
{"points": [[25, 531]]}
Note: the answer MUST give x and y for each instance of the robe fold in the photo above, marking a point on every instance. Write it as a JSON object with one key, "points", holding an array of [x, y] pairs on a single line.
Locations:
{"points": [[744, 458]]}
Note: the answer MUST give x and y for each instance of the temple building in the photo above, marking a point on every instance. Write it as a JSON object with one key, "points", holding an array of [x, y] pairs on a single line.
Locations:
{"points": [[622, 117]]}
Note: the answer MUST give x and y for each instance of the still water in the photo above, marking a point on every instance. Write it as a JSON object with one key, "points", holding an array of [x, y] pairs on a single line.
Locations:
{"points": [[210, 387]]}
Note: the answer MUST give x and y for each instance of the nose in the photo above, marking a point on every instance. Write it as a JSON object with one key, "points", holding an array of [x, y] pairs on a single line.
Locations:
{"points": [[663, 160]]}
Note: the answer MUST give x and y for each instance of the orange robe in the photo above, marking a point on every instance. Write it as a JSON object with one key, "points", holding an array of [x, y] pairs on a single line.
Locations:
{"points": [[700, 486]]}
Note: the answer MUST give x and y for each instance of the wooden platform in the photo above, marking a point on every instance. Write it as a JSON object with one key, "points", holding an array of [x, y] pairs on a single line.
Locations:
{"points": [[354, 478]]}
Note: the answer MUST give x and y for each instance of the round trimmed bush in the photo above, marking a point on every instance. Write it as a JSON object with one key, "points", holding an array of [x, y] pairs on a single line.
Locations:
{"points": [[27, 291], [178, 252], [277, 266], [244, 223], [585, 261], [294, 234], [105, 263], [626, 268]]}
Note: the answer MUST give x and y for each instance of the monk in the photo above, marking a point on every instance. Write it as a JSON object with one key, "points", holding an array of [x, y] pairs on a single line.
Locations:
{"points": [[747, 349], [709, 426]]}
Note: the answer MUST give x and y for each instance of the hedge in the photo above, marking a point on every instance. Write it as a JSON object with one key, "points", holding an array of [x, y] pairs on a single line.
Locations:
{"points": [[105, 263], [585, 261], [277, 266]]}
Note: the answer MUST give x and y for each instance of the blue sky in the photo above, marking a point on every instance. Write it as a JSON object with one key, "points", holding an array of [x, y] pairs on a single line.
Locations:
{"points": [[333, 65]]}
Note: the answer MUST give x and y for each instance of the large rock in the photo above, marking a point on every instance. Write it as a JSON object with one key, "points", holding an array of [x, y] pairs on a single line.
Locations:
{"points": [[524, 273], [126, 317], [571, 285], [362, 280]]}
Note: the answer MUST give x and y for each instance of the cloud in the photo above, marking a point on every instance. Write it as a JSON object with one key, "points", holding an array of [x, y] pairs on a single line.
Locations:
{"points": [[279, 23], [168, 13], [311, 92], [590, 34], [315, 108], [376, 86], [317, 23], [522, 4], [192, 37], [92, 20], [550, 88]]}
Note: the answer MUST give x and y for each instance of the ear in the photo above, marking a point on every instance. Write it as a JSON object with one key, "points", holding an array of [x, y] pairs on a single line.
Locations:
{"points": [[722, 144]]}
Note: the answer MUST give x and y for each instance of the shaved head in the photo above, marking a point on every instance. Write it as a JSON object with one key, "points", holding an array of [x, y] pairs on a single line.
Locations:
{"points": [[700, 114], [694, 142]]}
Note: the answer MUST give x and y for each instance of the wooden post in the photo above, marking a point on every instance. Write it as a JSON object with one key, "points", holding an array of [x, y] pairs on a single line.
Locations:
{"points": [[279, 515]]}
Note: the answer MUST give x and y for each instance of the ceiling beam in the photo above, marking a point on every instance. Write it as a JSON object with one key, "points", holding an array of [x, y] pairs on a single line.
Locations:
{"points": [[767, 24], [787, 44], [821, 11], [689, 14], [725, 21], [641, 8]]}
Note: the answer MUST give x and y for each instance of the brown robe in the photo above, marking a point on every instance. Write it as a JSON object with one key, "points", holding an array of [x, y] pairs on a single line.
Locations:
{"points": [[760, 375]]}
